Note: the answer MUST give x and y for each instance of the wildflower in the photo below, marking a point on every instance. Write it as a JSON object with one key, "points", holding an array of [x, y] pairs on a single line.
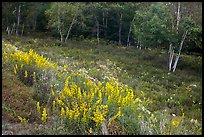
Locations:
{"points": [[26, 74], [60, 102], [182, 115], [44, 115], [14, 70], [98, 117], [34, 75], [21, 66], [139, 116], [16, 66], [23, 120], [152, 117], [38, 107], [90, 131], [196, 122], [53, 106], [175, 123], [62, 112]]}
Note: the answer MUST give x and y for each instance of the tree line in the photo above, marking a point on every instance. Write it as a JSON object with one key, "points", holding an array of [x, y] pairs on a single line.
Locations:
{"points": [[166, 25]]}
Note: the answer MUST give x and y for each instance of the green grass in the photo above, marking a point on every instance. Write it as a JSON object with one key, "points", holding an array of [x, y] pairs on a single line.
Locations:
{"points": [[143, 70]]}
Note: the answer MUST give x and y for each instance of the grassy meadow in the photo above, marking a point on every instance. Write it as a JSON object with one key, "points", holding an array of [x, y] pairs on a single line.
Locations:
{"points": [[84, 88]]}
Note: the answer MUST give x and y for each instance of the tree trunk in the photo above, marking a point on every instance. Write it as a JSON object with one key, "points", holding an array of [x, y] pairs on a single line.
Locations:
{"points": [[34, 23], [178, 16], [22, 30], [8, 30], [58, 26], [103, 19], [97, 28], [128, 39], [70, 27], [171, 55], [18, 20], [180, 48], [13, 28], [106, 27], [120, 27]]}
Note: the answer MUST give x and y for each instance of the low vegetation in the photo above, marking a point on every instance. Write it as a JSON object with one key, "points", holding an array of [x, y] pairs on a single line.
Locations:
{"points": [[84, 88]]}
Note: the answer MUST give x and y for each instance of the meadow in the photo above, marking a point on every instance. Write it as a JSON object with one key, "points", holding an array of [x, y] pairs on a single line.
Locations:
{"points": [[84, 88]]}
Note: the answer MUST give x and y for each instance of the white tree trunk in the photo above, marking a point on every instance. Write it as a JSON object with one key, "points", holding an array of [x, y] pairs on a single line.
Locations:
{"points": [[22, 30], [70, 27], [171, 55], [18, 20], [180, 48], [128, 39], [58, 26], [120, 27], [13, 28], [178, 16], [8, 30], [97, 34]]}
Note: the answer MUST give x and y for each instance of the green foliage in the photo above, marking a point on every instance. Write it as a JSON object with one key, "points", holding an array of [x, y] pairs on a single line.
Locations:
{"points": [[152, 27]]}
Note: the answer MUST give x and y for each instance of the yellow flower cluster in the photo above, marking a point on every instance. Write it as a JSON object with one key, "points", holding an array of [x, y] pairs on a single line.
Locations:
{"points": [[27, 58], [23, 120], [92, 102], [44, 115]]}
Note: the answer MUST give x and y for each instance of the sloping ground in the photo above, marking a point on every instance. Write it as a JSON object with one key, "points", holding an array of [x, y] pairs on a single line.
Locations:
{"points": [[141, 69]]}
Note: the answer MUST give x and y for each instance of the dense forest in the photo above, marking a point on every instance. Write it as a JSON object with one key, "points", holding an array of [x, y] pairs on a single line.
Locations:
{"points": [[102, 67]]}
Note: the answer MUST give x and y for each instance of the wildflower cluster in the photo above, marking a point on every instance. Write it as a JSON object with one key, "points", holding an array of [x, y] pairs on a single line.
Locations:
{"points": [[92, 102]]}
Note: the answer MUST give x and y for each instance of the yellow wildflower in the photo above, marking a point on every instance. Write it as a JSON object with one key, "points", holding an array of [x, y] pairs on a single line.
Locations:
{"points": [[26, 74], [182, 115], [90, 131], [98, 117], [21, 66], [16, 66], [62, 112], [14, 70], [175, 123], [53, 106], [23, 120], [38, 107], [152, 117], [139, 116], [44, 115], [196, 122], [59, 102], [34, 75]]}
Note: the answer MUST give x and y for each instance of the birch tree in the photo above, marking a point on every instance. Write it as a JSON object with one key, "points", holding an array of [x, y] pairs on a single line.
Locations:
{"points": [[62, 16]]}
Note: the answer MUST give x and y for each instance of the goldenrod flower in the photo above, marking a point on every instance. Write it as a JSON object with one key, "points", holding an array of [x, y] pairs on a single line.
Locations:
{"points": [[59, 102], [182, 115], [90, 131], [139, 116], [38, 106], [53, 106], [196, 122], [14, 70], [62, 112], [152, 117], [16, 66], [21, 66], [175, 123], [44, 115], [23, 120], [34, 75], [26, 74]]}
